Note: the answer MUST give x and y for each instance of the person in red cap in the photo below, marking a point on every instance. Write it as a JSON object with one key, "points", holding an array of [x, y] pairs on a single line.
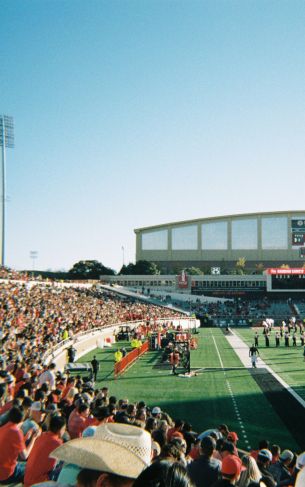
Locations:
{"points": [[233, 438], [230, 471]]}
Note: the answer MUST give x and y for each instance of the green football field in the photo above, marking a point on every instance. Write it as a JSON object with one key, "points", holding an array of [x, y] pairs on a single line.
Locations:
{"points": [[223, 392]]}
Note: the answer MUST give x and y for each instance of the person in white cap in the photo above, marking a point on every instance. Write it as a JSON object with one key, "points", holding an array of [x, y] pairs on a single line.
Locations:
{"points": [[113, 457], [264, 459], [280, 471]]}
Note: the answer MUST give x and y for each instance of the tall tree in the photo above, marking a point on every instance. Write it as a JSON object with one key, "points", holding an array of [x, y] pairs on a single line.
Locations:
{"points": [[240, 265], [90, 269], [193, 271], [141, 267]]}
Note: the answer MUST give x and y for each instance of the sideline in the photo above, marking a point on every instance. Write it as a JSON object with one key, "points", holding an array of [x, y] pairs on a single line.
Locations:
{"points": [[242, 351]]}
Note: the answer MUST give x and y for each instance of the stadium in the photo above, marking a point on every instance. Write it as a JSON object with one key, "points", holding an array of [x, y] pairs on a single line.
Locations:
{"points": [[135, 352]]}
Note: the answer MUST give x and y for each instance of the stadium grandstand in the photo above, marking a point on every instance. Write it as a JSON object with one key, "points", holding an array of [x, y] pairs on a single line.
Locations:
{"points": [[275, 281]]}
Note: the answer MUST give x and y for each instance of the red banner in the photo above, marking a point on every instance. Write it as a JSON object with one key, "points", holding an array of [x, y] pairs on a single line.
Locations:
{"points": [[283, 272], [130, 358], [183, 280]]}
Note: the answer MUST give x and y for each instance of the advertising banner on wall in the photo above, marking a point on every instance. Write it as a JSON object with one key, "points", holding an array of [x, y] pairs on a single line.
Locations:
{"points": [[182, 280]]}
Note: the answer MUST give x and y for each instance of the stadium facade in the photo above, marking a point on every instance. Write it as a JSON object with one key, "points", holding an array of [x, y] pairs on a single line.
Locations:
{"points": [[271, 239]]}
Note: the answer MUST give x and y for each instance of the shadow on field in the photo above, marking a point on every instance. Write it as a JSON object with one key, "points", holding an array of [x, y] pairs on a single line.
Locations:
{"points": [[291, 412]]}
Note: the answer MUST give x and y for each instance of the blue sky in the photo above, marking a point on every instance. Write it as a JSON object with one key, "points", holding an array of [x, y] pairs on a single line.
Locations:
{"points": [[134, 113]]}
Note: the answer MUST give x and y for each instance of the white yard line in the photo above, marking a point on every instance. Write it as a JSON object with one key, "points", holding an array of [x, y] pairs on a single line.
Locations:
{"points": [[235, 406], [220, 359]]}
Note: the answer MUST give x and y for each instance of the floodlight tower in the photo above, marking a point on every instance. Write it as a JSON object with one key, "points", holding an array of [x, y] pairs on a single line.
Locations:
{"points": [[6, 141]]}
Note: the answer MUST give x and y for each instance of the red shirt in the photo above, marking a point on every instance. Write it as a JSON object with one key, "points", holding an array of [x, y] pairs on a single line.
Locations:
{"points": [[6, 407], [39, 465], [174, 433], [76, 425], [11, 445], [91, 422]]}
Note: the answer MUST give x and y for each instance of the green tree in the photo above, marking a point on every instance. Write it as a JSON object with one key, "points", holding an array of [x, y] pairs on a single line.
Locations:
{"points": [[240, 265], [259, 268], [90, 269], [142, 267], [193, 271]]}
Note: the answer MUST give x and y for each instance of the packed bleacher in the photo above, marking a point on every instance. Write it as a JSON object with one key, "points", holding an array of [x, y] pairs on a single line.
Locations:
{"points": [[61, 430], [35, 318]]}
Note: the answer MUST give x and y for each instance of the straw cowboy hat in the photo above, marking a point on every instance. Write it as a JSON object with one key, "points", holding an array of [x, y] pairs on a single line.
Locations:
{"points": [[116, 448]]}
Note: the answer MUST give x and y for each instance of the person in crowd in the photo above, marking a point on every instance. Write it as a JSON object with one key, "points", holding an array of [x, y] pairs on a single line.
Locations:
{"points": [[280, 469], [264, 459], [205, 470], [233, 438], [171, 452], [262, 444], [13, 447], [77, 420], [151, 425], [48, 377], [224, 430], [276, 451], [99, 416], [157, 414], [164, 474], [114, 457], [189, 436], [227, 448], [176, 431], [250, 472], [39, 465], [230, 471], [180, 443]]}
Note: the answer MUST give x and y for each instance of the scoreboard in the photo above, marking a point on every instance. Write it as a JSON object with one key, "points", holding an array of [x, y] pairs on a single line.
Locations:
{"points": [[298, 232], [286, 280]]}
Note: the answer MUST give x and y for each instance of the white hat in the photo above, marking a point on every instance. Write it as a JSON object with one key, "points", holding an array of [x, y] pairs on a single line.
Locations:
{"points": [[156, 410], [36, 406], [117, 448], [286, 455], [265, 454]]}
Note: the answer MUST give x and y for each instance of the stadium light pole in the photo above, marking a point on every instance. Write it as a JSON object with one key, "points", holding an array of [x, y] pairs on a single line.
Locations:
{"points": [[6, 141], [33, 256]]}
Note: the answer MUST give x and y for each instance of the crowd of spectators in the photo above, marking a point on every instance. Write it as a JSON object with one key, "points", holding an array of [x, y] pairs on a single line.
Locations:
{"points": [[242, 308], [61, 430], [33, 318]]}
